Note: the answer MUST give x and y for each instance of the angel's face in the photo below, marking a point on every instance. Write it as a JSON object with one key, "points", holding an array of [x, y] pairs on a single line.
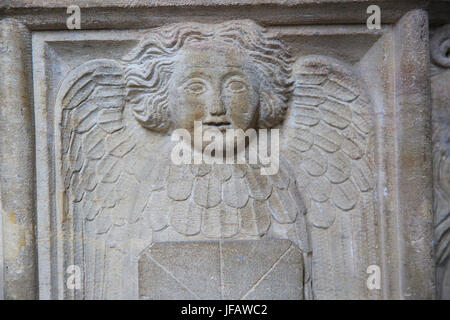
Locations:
{"points": [[215, 85]]}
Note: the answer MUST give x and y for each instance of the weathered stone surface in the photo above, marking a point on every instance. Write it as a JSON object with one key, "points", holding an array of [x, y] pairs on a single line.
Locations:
{"points": [[255, 269], [414, 156], [118, 14], [17, 163], [353, 190]]}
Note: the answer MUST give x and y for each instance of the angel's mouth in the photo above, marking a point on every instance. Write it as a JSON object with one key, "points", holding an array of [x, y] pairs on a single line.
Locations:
{"points": [[221, 125]]}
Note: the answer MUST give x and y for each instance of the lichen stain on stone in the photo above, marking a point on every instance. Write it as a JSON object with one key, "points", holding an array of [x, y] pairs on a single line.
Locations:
{"points": [[15, 237], [12, 218]]}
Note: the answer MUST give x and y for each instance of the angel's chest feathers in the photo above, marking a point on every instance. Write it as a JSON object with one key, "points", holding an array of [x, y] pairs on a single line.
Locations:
{"points": [[198, 202]]}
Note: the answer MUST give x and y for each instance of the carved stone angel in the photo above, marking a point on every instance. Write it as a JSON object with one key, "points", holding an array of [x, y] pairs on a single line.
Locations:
{"points": [[122, 192]]}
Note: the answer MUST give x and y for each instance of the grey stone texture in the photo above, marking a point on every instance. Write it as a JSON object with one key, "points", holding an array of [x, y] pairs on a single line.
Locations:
{"points": [[17, 164], [253, 269], [86, 177]]}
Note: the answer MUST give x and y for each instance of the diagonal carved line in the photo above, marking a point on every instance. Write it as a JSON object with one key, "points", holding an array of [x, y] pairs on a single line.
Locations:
{"points": [[175, 278], [267, 272]]}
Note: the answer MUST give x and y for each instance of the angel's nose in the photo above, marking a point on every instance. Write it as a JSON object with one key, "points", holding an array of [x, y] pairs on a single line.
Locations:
{"points": [[216, 106]]}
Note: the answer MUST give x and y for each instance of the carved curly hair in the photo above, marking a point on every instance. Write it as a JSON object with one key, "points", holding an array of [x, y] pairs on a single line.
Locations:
{"points": [[149, 67]]}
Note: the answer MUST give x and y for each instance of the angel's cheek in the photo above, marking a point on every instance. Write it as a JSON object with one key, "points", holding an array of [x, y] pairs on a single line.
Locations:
{"points": [[193, 111], [242, 109], [186, 110]]}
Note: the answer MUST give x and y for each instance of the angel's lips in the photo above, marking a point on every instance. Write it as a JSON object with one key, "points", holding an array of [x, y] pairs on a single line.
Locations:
{"points": [[221, 126]]}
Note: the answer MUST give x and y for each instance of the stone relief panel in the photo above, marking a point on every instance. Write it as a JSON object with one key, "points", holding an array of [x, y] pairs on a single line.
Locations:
{"points": [[118, 191], [440, 79], [87, 177]]}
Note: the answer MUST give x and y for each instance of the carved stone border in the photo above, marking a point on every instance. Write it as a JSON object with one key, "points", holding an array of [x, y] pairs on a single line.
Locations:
{"points": [[139, 14], [17, 176], [413, 151]]}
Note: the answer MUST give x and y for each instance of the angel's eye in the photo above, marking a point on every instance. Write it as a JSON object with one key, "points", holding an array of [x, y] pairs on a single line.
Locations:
{"points": [[236, 86], [195, 87]]}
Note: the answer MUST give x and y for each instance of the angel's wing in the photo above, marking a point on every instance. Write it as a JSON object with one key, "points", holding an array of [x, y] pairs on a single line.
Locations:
{"points": [[329, 141], [100, 180]]}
